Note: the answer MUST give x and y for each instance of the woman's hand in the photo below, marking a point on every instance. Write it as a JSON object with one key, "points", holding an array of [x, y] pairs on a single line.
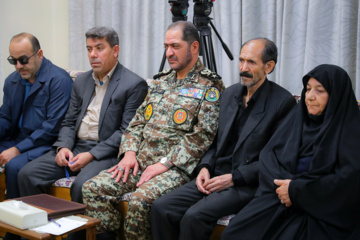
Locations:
{"points": [[283, 191]]}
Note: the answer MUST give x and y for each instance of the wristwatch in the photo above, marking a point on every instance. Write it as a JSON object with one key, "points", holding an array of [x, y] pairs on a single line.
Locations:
{"points": [[164, 161]]}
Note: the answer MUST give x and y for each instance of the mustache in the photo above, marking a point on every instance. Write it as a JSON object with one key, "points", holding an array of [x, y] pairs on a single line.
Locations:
{"points": [[173, 57], [22, 69], [246, 74], [95, 60]]}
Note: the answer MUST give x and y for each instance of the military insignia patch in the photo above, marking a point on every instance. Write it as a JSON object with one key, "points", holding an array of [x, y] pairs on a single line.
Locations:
{"points": [[210, 75], [192, 92], [192, 76], [148, 112], [212, 95], [163, 73], [157, 89], [180, 116]]}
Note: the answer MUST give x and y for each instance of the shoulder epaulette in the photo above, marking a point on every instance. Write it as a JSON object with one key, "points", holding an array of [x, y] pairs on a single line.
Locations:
{"points": [[163, 73], [213, 76]]}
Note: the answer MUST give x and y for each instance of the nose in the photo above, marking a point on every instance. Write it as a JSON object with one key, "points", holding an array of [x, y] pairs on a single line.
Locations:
{"points": [[18, 64], [92, 53], [169, 52], [310, 95], [243, 66]]}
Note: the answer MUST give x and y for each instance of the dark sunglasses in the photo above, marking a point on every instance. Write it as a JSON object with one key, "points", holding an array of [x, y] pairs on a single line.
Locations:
{"points": [[22, 60]]}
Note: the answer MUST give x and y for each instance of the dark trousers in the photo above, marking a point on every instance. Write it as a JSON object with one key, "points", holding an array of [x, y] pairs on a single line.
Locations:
{"points": [[38, 175], [186, 213], [13, 167]]}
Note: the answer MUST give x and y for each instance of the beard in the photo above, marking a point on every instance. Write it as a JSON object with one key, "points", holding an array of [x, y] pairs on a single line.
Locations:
{"points": [[250, 83], [28, 75], [184, 64]]}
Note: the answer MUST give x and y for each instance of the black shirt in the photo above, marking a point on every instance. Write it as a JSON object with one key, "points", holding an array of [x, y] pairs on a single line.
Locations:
{"points": [[237, 127]]}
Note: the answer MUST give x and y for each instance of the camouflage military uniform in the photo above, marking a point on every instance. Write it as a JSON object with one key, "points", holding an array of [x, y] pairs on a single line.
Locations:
{"points": [[177, 120]]}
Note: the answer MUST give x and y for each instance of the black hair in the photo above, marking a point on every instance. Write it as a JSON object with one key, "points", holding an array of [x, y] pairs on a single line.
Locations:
{"points": [[190, 33], [103, 32], [270, 52]]}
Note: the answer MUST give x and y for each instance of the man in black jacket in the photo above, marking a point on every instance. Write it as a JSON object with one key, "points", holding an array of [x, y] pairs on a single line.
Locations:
{"points": [[228, 173]]}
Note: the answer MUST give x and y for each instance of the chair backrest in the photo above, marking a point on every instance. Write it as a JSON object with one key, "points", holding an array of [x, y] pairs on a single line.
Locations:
{"points": [[74, 73]]}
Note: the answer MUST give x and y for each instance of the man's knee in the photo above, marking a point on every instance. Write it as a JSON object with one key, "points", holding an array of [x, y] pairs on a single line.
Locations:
{"points": [[86, 188], [25, 173], [226, 234], [191, 214], [76, 192], [94, 187], [139, 202], [12, 168], [157, 208], [157, 204], [77, 185]]}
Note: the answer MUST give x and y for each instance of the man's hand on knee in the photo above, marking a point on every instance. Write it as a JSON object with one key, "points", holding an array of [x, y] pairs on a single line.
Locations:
{"points": [[122, 169], [201, 179], [219, 183], [63, 156], [80, 161], [151, 171], [8, 154]]}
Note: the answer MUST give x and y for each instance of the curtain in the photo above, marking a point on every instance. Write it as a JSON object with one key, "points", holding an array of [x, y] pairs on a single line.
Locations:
{"points": [[307, 33]]}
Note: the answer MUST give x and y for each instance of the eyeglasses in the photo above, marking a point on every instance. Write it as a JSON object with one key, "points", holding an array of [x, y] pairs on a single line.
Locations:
{"points": [[22, 60]]}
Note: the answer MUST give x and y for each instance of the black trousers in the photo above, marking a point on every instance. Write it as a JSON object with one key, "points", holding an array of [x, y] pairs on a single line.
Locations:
{"points": [[186, 213]]}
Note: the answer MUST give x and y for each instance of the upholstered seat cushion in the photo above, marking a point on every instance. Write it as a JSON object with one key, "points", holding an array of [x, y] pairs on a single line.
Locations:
{"points": [[64, 182], [74, 73]]}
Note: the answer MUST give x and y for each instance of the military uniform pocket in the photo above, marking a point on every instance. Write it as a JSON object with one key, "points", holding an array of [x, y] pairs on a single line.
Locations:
{"points": [[184, 113]]}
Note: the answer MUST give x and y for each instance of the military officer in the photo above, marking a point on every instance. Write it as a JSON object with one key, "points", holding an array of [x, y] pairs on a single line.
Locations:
{"points": [[164, 142]]}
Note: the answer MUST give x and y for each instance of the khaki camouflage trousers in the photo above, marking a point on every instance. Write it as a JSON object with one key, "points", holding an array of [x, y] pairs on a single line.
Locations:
{"points": [[101, 195]]}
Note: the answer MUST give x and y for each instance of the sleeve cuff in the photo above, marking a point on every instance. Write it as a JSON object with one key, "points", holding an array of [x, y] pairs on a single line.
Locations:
{"points": [[199, 167], [25, 145], [292, 194], [238, 179]]}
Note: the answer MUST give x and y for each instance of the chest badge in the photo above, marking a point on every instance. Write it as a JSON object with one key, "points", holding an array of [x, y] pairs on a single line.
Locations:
{"points": [[192, 92], [212, 95], [148, 112], [180, 116]]}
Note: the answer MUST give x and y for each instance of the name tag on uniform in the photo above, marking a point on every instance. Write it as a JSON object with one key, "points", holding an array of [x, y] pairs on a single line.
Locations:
{"points": [[192, 92]]}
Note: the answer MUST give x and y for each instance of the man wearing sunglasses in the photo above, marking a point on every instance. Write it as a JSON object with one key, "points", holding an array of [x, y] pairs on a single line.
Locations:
{"points": [[36, 97]]}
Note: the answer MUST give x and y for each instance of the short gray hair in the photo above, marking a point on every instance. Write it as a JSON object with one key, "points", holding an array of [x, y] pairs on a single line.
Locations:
{"points": [[103, 32]]}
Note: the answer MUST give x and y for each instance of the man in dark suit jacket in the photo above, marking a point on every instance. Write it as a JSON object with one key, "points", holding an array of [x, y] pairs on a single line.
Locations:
{"points": [[228, 173], [103, 102]]}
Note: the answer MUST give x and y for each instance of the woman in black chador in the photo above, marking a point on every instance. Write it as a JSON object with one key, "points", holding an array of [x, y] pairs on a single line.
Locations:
{"points": [[310, 169]]}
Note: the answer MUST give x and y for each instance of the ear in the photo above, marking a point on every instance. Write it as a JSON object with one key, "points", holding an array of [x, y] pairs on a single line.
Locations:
{"points": [[195, 47], [40, 54], [269, 66], [116, 49]]}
